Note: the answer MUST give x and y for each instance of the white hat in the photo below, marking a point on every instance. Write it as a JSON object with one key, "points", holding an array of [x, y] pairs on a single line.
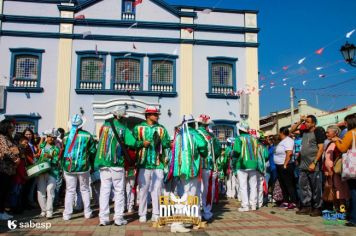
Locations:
{"points": [[188, 119], [119, 112], [77, 121], [51, 133], [243, 127]]}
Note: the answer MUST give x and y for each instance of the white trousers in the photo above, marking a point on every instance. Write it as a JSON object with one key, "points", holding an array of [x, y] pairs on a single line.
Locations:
{"points": [[130, 196], [111, 176], [207, 206], [150, 181], [46, 184], [71, 192], [248, 187], [192, 187], [232, 185], [260, 180]]}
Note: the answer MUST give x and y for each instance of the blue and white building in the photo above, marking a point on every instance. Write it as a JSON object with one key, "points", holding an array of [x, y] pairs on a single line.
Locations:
{"points": [[60, 57]]}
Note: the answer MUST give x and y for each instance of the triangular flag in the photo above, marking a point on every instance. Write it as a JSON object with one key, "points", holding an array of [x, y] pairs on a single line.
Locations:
{"points": [[127, 54], [262, 77], [322, 76], [348, 35], [272, 72], [285, 67], [284, 79], [319, 51], [96, 49], [301, 60], [304, 82], [80, 17], [342, 70], [207, 11], [318, 68], [86, 33], [137, 2], [285, 84], [134, 46], [190, 30], [133, 25]]}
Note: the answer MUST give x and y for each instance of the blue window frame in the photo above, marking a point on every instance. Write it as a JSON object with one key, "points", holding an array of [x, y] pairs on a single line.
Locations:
{"points": [[25, 121], [222, 75], [25, 69], [162, 73], [91, 69], [127, 71], [224, 129], [128, 10]]}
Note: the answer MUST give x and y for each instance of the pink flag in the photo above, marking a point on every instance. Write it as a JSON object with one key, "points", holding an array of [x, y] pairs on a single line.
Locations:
{"points": [[190, 30], [79, 17], [285, 67], [319, 51], [137, 2]]}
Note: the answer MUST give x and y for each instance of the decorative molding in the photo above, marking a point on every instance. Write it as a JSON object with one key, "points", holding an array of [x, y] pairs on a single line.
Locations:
{"points": [[125, 24], [24, 89], [129, 93], [221, 96], [201, 8], [127, 38], [230, 59]]}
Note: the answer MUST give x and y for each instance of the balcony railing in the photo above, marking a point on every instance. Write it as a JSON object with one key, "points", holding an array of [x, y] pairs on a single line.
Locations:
{"points": [[24, 83], [90, 85], [222, 90], [161, 88], [128, 16], [127, 86]]}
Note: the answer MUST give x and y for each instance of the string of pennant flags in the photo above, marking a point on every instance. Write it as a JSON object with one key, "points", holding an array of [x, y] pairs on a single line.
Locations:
{"points": [[268, 81]]}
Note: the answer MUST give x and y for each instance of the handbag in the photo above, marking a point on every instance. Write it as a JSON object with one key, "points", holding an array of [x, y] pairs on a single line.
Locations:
{"points": [[329, 192], [349, 161], [338, 166]]}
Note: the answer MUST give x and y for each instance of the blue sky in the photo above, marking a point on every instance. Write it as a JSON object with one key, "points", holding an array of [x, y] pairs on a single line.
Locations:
{"points": [[291, 30]]}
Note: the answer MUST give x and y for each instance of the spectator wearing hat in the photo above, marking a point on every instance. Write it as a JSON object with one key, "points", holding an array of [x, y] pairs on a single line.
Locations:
{"points": [[210, 170], [152, 139], [189, 148], [110, 160], [46, 182], [245, 150], [78, 159]]}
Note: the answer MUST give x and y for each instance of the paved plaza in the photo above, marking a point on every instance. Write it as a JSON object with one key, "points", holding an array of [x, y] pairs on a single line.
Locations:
{"points": [[228, 221]]}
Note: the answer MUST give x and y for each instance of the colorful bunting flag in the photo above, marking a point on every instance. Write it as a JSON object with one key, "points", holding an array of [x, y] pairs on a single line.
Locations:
{"points": [[79, 17], [137, 2], [285, 67], [319, 51], [342, 70], [134, 46], [322, 76], [190, 30], [304, 82], [319, 68], [301, 60], [348, 35], [272, 72]]}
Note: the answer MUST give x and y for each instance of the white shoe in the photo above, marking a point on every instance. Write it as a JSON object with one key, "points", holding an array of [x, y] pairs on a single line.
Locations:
{"points": [[104, 223], [253, 208], [4, 216], [89, 216], [142, 219], [243, 209], [154, 218], [178, 227], [43, 214], [66, 217], [120, 221], [49, 215]]}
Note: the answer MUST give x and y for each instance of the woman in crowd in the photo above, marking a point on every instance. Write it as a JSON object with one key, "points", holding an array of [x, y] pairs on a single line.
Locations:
{"points": [[333, 178], [285, 168], [9, 158], [344, 145]]}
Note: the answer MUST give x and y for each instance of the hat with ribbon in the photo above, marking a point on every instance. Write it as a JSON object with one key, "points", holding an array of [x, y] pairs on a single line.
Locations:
{"points": [[152, 110], [204, 119]]}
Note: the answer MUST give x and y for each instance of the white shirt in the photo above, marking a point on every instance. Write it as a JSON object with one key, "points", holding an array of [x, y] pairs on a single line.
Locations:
{"points": [[279, 156]]}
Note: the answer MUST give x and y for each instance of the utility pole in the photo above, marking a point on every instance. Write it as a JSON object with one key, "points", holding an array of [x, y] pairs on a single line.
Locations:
{"points": [[292, 105]]}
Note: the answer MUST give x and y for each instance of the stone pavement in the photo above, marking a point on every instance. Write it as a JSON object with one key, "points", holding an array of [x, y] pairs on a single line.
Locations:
{"points": [[228, 221]]}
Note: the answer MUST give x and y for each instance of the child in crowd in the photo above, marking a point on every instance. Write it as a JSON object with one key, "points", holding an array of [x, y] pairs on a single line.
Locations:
{"points": [[47, 181]]}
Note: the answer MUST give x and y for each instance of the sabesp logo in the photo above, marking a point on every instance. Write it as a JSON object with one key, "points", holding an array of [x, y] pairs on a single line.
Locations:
{"points": [[12, 224]]}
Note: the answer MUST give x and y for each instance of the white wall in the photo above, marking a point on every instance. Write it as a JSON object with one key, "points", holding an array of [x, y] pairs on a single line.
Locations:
{"points": [[30, 9]]}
